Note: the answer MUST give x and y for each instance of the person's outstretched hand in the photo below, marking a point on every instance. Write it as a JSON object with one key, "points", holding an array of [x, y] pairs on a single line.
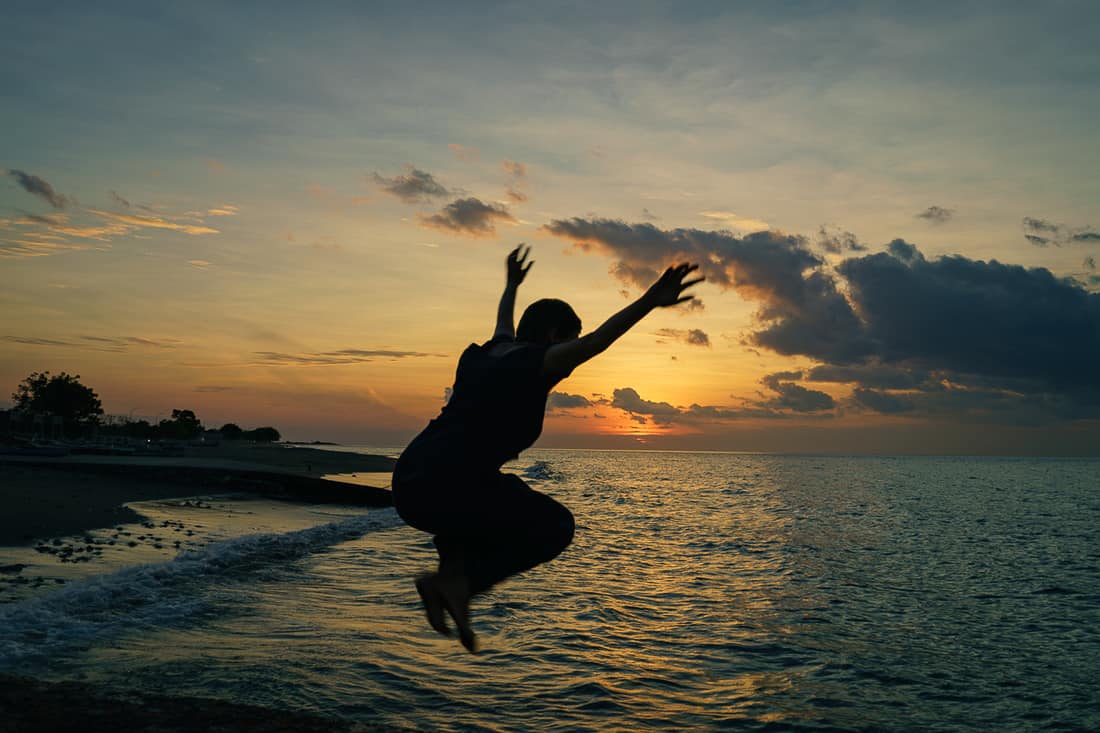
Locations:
{"points": [[518, 264], [669, 288]]}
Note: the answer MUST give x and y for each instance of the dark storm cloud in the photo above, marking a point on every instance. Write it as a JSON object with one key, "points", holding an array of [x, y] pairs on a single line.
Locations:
{"points": [[468, 216], [692, 336], [869, 375], [565, 401], [937, 214], [413, 187], [973, 317], [955, 333], [793, 396], [884, 402], [837, 241], [35, 186], [800, 305], [341, 356]]}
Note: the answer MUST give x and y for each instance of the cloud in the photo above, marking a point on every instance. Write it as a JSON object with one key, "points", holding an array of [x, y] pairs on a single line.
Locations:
{"points": [[884, 402], [415, 186], [870, 375], [223, 210], [199, 264], [649, 215], [736, 222], [517, 175], [514, 169], [468, 216], [975, 336], [565, 401], [212, 388], [937, 214], [792, 400], [793, 396], [340, 356], [799, 302], [133, 221], [1041, 233], [464, 153], [693, 336], [1089, 263], [836, 241], [973, 317], [119, 200], [628, 399], [97, 343], [36, 186]]}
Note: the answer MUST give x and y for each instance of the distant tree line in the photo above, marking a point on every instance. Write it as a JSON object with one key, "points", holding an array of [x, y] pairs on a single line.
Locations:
{"points": [[77, 410]]}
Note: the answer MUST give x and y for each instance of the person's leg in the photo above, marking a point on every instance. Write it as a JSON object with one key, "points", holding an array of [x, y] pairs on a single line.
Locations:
{"points": [[501, 528], [518, 529]]}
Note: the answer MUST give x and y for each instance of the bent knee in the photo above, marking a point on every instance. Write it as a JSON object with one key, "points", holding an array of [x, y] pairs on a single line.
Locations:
{"points": [[564, 528]]}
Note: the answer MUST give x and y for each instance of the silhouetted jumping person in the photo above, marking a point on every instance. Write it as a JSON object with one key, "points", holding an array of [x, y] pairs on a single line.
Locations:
{"points": [[490, 525]]}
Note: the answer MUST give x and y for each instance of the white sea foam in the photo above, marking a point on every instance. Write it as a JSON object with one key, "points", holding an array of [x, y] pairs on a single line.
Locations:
{"points": [[157, 594]]}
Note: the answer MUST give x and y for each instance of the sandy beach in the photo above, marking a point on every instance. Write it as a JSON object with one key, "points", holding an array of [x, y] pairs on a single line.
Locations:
{"points": [[54, 497]]}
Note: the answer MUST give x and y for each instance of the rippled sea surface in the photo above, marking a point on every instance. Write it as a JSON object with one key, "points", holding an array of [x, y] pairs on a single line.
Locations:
{"points": [[702, 592]]}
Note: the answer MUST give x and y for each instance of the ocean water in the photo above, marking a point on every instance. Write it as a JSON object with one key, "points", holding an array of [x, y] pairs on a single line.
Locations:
{"points": [[703, 591]]}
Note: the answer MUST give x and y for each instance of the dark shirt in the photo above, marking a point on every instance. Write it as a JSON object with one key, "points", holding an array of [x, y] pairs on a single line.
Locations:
{"points": [[495, 411]]}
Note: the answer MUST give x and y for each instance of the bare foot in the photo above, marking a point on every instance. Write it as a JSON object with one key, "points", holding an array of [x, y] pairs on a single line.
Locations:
{"points": [[454, 591], [432, 598]]}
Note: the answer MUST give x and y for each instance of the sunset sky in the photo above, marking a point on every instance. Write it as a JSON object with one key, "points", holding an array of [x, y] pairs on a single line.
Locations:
{"points": [[297, 214]]}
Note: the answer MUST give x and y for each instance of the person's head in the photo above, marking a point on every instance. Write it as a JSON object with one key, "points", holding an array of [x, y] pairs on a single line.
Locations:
{"points": [[548, 321]]}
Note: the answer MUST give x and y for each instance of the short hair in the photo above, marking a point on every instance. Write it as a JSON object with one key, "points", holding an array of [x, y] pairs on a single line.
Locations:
{"points": [[543, 316]]}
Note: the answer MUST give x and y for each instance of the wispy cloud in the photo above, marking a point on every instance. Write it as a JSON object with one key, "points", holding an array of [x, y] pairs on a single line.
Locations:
{"points": [[468, 216], [36, 186], [415, 186], [517, 180], [1042, 233], [937, 214], [464, 153], [133, 221], [736, 221], [692, 336], [97, 343], [223, 210], [340, 356]]}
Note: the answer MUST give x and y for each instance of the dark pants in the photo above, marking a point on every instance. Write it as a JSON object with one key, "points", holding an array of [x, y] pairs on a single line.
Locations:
{"points": [[487, 528]]}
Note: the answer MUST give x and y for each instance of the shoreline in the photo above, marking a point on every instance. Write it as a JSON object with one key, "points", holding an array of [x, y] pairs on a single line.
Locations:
{"points": [[50, 497]]}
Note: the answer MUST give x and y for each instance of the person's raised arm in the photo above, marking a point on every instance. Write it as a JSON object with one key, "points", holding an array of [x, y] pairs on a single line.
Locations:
{"points": [[517, 270], [667, 291]]}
